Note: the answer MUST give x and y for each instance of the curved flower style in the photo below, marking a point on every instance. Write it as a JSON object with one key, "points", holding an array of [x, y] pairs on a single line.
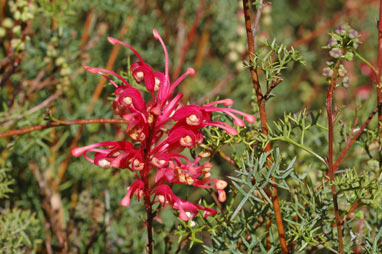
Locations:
{"points": [[162, 128]]}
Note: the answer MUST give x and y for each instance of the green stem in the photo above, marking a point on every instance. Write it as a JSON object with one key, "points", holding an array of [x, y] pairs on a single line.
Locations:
{"points": [[306, 149], [366, 62]]}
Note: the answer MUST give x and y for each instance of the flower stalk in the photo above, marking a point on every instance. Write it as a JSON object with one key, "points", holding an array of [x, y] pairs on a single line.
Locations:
{"points": [[329, 109]]}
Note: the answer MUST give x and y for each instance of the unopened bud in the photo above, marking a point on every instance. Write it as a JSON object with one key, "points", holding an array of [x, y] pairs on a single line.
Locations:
{"points": [[220, 184], [205, 154], [222, 196]]}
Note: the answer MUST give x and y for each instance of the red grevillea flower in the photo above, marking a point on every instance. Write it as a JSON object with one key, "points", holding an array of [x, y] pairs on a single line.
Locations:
{"points": [[162, 128]]}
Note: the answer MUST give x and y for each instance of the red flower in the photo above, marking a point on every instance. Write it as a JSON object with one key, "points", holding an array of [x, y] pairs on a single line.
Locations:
{"points": [[160, 129]]}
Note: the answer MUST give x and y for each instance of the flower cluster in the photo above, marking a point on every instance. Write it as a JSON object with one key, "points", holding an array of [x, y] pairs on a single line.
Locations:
{"points": [[159, 130], [341, 45]]}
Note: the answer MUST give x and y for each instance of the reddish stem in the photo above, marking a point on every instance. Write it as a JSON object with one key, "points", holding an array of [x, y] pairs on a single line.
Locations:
{"points": [[147, 189], [329, 108], [149, 212], [264, 127], [379, 88], [353, 139]]}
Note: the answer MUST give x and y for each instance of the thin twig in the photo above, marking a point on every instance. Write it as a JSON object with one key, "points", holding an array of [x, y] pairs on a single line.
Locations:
{"points": [[257, 18], [60, 123], [40, 106], [351, 210], [264, 127], [353, 139], [358, 247]]}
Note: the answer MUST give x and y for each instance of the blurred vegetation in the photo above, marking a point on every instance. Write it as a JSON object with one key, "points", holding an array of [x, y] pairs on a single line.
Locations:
{"points": [[51, 202]]}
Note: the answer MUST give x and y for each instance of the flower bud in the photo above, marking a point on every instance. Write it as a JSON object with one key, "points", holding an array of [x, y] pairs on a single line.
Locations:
{"points": [[222, 196], [220, 184], [335, 53]]}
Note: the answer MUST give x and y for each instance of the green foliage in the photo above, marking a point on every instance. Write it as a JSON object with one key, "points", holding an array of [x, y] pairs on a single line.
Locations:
{"points": [[240, 227], [19, 231], [5, 183], [273, 58]]}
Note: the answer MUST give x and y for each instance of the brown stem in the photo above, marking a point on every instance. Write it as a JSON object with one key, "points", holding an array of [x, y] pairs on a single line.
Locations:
{"points": [[271, 87], [2, 9], [349, 144], [223, 156], [60, 123], [264, 127], [329, 108], [351, 210], [379, 88], [87, 27]]}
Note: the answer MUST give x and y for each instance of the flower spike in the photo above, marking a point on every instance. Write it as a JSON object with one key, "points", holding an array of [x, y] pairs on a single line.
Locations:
{"points": [[157, 132]]}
